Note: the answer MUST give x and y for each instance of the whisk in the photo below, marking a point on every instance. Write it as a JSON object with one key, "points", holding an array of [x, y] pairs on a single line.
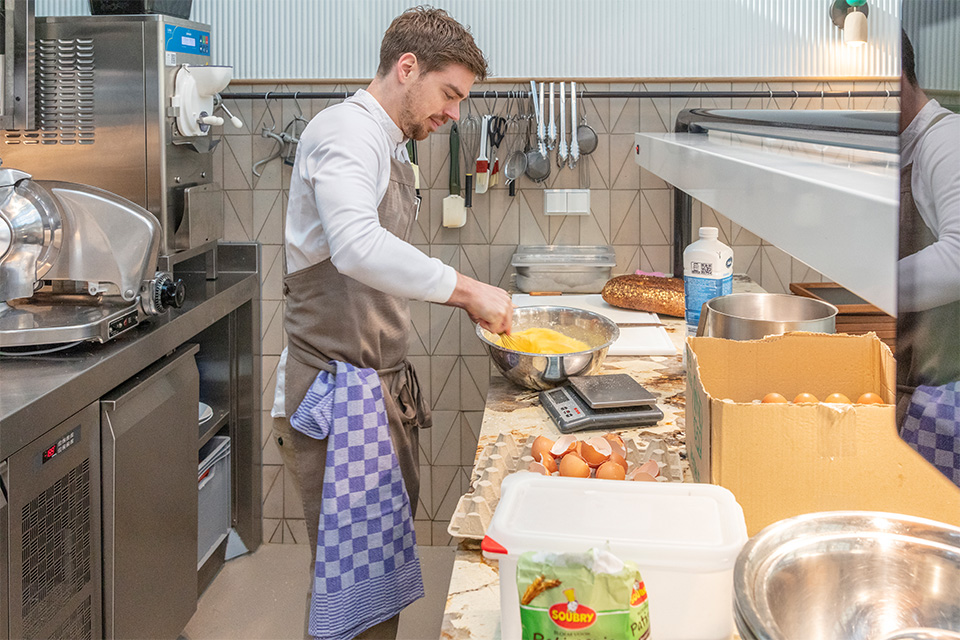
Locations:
{"points": [[470, 147], [509, 342]]}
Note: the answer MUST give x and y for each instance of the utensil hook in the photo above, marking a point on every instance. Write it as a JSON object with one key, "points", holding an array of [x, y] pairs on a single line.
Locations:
{"points": [[296, 103], [273, 119]]}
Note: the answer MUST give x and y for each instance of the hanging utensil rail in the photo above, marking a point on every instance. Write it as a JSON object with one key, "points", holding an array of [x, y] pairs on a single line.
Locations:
{"points": [[342, 95]]}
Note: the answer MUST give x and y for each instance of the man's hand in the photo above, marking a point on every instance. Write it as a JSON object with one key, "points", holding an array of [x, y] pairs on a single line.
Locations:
{"points": [[488, 306]]}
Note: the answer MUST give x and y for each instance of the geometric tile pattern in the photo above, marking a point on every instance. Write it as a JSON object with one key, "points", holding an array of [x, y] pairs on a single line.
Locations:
{"points": [[630, 209]]}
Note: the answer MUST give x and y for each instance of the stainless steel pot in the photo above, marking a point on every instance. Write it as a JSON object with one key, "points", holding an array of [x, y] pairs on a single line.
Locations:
{"points": [[539, 371], [751, 316], [850, 575]]}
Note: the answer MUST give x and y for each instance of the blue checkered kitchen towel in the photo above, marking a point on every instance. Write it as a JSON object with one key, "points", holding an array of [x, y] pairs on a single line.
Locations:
{"points": [[932, 427], [367, 566]]}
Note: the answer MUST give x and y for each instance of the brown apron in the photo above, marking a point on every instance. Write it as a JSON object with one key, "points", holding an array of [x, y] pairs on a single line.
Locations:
{"points": [[330, 316], [928, 342]]}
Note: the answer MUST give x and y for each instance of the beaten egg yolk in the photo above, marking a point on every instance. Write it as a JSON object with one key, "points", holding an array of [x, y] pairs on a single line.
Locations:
{"points": [[541, 340]]}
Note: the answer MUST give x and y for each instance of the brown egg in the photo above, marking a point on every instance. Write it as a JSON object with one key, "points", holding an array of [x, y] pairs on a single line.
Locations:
{"points": [[541, 445], [837, 398], [595, 451], [610, 470], [805, 397], [564, 445], [619, 459], [547, 461], [773, 397], [616, 443], [573, 466], [870, 398], [640, 476]]}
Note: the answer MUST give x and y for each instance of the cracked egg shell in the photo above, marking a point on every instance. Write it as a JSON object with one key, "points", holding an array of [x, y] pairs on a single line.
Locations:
{"points": [[536, 467], [540, 446], [595, 451], [650, 467], [620, 460], [610, 470], [564, 445], [573, 466], [546, 460], [616, 443]]}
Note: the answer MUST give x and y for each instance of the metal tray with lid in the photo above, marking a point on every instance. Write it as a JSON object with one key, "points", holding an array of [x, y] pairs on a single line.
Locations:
{"points": [[563, 268]]}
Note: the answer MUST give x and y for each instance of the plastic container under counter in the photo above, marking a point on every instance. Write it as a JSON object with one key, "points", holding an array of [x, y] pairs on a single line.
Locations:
{"points": [[562, 268], [685, 539], [213, 501]]}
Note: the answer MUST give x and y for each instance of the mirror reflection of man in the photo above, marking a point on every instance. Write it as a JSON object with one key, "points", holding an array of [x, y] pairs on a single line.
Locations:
{"points": [[928, 316]]}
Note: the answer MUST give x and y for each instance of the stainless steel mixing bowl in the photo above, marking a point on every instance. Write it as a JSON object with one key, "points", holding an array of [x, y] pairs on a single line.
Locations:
{"points": [[538, 371], [849, 575], [751, 316]]}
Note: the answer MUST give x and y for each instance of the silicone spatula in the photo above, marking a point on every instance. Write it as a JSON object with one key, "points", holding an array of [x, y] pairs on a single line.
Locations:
{"points": [[454, 213]]}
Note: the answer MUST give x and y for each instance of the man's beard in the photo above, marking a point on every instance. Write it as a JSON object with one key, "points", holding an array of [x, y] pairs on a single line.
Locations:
{"points": [[411, 127]]}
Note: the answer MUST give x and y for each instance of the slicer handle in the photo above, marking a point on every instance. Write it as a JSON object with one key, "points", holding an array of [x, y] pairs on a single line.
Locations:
{"points": [[173, 293], [212, 120]]}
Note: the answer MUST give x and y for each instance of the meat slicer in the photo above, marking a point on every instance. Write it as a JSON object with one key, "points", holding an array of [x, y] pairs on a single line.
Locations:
{"points": [[77, 263]]}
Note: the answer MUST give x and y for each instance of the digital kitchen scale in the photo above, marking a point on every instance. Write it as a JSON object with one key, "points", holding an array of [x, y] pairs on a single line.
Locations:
{"points": [[613, 401]]}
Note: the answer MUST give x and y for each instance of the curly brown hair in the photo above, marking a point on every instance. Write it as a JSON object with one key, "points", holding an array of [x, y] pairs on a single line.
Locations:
{"points": [[435, 38]]}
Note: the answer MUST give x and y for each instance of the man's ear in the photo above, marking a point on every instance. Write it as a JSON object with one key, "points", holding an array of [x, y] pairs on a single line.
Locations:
{"points": [[407, 67]]}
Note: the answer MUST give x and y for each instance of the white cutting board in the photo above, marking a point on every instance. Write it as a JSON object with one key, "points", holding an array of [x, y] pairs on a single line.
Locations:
{"points": [[633, 341]]}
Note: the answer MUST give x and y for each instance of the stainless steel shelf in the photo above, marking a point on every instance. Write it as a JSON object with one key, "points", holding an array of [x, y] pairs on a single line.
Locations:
{"points": [[210, 428], [834, 209]]}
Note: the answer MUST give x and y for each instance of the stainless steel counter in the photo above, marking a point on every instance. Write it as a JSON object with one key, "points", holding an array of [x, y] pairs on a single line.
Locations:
{"points": [[37, 392]]}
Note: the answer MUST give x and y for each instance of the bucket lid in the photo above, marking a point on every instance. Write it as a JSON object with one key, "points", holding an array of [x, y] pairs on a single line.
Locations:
{"points": [[685, 526]]}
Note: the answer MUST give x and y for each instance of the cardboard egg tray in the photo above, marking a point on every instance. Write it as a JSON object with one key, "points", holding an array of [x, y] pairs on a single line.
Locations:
{"points": [[506, 455]]}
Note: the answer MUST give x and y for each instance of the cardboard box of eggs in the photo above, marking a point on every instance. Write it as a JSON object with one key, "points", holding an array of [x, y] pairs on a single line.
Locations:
{"points": [[606, 457]]}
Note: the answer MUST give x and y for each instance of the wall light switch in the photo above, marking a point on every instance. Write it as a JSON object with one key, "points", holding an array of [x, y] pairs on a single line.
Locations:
{"points": [[566, 202], [554, 202], [578, 202]]}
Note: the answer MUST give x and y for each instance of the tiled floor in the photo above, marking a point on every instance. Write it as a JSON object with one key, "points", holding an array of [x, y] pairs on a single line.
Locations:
{"points": [[263, 596]]}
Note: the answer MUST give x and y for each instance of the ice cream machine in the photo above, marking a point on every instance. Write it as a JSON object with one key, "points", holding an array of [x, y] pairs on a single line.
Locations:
{"points": [[129, 104]]}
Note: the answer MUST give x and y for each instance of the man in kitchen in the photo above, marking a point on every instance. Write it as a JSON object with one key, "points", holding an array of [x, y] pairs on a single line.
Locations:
{"points": [[350, 272], [928, 314]]}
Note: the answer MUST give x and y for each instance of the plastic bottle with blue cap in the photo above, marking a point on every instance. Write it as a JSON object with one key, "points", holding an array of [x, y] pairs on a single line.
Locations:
{"points": [[707, 273]]}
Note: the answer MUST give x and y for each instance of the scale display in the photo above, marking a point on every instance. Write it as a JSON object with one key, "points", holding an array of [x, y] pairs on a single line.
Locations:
{"points": [[600, 402]]}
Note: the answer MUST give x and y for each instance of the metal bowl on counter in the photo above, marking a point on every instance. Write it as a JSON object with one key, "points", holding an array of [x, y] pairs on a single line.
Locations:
{"points": [[540, 371], [751, 316], [850, 575]]}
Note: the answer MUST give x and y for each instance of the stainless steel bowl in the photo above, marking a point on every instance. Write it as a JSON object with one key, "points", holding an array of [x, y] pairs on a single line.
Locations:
{"points": [[850, 575], [539, 371], [751, 316]]}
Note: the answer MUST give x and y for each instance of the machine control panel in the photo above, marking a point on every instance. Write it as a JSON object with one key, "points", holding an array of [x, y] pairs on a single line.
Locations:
{"points": [[121, 324], [185, 40], [62, 444]]}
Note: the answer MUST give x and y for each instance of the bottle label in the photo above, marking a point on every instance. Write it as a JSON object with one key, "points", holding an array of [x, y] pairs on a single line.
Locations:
{"points": [[699, 290]]}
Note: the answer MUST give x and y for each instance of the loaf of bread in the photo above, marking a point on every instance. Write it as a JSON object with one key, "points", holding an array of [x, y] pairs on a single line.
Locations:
{"points": [[646, 293]]}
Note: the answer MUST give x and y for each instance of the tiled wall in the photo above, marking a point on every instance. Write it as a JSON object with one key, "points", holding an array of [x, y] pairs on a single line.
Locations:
{"points": [[631, 210]]}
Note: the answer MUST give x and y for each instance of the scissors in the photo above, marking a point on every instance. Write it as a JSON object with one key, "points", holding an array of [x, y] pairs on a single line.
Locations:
{"points": [[496, 130]]}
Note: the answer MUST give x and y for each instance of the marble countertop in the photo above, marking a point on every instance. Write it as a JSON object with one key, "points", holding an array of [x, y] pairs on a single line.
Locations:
{"points": [[472, 610]]}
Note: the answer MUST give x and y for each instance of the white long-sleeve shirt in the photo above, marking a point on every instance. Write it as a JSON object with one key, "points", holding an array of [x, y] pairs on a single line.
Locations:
{"points": [[340, 175], [931, 277]]}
